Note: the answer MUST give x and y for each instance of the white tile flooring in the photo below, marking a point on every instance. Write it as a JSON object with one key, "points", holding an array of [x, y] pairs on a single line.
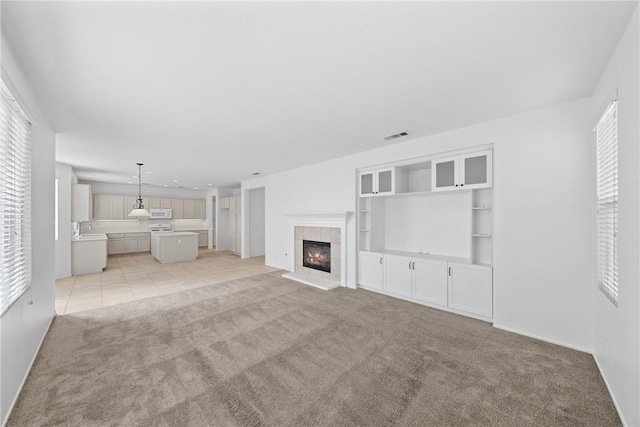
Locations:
{"points": [[136, 276]]}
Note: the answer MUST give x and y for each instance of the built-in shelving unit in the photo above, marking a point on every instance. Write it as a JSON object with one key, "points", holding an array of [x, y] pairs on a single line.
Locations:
{"points": [[427, 237]]}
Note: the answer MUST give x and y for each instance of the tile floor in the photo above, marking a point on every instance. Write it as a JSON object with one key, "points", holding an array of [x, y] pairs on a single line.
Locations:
{"points": [[136, 276]]}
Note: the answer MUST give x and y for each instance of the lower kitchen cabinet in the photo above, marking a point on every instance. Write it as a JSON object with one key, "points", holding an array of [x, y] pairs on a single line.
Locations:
{"points": [[203, 239], [471, 289], [128, 243], [371, 268]]}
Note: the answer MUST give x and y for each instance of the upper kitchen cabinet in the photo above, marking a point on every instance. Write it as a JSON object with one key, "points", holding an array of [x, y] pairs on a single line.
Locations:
{"points": [[81, 202], [189, 209], [379, 182], [201, 210], [106, 206], [463, 172], [178, 208]]}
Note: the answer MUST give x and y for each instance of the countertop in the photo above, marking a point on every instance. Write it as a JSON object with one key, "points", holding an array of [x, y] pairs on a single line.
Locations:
{"points": [[175, 233], [89, 237], [145, 229]]}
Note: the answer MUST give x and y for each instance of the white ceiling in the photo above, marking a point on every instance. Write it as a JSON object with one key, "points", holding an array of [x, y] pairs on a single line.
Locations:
{"points": [[209, 92]]}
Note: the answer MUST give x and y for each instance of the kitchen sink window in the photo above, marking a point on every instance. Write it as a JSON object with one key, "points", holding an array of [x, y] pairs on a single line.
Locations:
{"points": [[15, 201]]}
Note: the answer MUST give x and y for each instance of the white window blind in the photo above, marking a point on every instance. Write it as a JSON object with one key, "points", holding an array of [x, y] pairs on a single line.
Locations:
{"points": [[607, 216], [15, 201]]}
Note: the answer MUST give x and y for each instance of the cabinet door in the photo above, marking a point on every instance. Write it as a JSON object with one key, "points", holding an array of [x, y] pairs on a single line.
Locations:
{"points": [[471, 289], [189, 209], [385, 179], [155, 203], [201, 210], [116, 210], [166, 203], [129, 203], [80, 202], [430, 281], [366, 184], [233, 204], [444, 174], [370, 268], [144, 244], [178, 208], [397, 275], [101, 206], [476, 170], [115, 246], [131, 244]]}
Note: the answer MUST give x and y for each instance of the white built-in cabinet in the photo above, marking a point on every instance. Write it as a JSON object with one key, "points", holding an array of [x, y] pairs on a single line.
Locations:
{"points": [[107, 206], [462, 172], [471, 289], [370, 270], [427, 237], [81, 202]]}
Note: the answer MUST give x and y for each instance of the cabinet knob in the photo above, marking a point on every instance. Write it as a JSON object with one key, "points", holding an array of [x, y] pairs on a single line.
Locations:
{"points": [[456, 185], [461, 185]]}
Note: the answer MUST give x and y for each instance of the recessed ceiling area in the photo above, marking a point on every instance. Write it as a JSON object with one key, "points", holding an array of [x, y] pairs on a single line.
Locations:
{"points": [[207, 93]]}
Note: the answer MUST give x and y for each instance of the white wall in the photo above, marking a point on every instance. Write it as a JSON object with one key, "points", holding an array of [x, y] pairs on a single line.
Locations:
{"points": [[616, 330], [64, 175], [543, 211], [24, 325]]}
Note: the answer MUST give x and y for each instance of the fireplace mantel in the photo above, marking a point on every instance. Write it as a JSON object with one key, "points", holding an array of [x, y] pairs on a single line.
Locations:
{"points": [[320, 219]]}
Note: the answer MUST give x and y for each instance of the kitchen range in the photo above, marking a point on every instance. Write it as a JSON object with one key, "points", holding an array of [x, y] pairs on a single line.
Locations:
{"points": [[172, 246]]}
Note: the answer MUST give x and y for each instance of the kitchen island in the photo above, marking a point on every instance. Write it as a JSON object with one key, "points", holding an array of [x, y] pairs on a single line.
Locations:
{"points": [[174, 246]]}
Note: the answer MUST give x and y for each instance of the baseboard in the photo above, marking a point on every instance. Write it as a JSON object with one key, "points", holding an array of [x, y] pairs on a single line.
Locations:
{"points": [[561, 344], [613, 397], [26, 375]]}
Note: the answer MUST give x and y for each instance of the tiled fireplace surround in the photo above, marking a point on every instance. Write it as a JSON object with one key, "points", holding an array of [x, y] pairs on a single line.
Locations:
{"points": [[319, 234], [319, 227]]}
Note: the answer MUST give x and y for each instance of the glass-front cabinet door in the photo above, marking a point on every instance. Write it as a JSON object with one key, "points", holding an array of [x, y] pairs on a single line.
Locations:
{"points": [[476, 170], [444, 174], [366, 183], [385, 181]]}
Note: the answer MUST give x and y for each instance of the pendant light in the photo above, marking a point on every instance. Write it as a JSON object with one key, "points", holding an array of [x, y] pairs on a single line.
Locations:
{"points": [[138, 208]]}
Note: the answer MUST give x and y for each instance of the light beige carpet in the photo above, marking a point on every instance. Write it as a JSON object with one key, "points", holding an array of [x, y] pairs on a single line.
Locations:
{"points": [[267, 351]]}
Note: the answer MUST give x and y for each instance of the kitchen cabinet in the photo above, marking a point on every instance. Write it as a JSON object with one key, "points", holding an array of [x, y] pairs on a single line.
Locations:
{"points": [[371, 268], [178, 208], [154, 203], [379, 182], [166, 203], [189, 209], [88, 254], [201, 209], [463, 172], [417, 278], [127, 243], [174, 247], [203, 239], [115, 243], [470, 289], [81, 203], [117, 208], [101, 204], [225, 203]]}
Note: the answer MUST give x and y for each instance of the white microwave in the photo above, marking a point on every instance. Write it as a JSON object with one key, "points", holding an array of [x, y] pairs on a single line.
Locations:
{"points": [[160, 213]]}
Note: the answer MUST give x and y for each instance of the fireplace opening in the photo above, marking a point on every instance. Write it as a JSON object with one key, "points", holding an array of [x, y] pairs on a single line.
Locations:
{"points": [[316, 255]]}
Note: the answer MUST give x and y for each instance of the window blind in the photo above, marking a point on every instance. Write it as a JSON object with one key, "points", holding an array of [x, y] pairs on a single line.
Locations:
{"points": [[15, 201], [607, 214]]}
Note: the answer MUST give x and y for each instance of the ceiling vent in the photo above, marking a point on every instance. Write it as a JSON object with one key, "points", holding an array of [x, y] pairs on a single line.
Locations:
{"points": [[395, 136]]}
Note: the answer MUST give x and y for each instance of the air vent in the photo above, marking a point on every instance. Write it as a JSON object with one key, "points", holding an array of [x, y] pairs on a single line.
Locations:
{"points": [[395, 136], [256, 173]]}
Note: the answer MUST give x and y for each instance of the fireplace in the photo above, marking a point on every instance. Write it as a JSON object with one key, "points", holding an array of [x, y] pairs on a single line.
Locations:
{"points": [[316, 255]]}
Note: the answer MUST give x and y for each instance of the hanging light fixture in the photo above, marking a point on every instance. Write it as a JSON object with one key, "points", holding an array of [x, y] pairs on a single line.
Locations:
{"points": [[138, 208]]}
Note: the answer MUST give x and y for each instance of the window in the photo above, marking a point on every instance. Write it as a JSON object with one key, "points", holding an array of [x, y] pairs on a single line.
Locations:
{"points": [[607, 216], [15, 201]]}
